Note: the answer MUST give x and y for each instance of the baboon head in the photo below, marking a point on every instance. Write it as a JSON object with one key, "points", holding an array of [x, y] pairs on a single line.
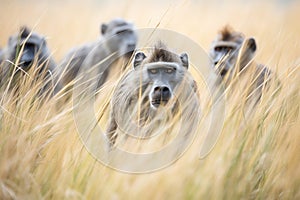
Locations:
{"points": [[231, 51], [27, 47], [152, 93], [124, 37], [163, 71]]}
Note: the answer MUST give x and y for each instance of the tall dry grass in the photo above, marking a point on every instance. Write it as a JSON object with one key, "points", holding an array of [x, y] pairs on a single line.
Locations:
{"points": [[256, 157]]}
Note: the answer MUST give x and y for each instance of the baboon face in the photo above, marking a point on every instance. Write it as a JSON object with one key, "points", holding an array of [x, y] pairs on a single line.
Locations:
{"points": [[162, 77], [125, 37], [221, 51], [27, 47], [231, 50], [242, 56]]}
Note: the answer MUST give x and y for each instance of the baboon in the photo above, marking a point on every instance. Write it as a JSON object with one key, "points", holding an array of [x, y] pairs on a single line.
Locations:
{"points": [[159, 81], [118, 36], [25, 50], [232, 54]]}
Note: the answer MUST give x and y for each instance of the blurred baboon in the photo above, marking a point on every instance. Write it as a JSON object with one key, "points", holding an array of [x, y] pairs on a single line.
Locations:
{"points": [[123, 43], [157, 82], [232, 54], [25, 50]]}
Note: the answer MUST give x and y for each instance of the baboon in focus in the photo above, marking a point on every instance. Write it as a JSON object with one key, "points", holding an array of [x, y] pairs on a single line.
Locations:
{"points": [[25, 50], [232, 54], [159, 81], [118, 36]]}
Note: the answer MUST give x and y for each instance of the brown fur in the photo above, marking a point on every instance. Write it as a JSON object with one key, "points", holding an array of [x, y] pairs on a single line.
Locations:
{"points": [[161, 53], [228, 34]]}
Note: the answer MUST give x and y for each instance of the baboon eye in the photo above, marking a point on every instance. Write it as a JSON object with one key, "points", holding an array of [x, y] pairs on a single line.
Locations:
{"points": [[153, 71], [218, 48], [229, 49], [223, 48], [169, 71], [123, 32]]}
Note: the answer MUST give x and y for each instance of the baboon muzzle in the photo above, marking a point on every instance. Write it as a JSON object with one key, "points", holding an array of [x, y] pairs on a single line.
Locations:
{"points": [[221, 68], [223, 72], [25, 64], [160, 96], [27, 59]]}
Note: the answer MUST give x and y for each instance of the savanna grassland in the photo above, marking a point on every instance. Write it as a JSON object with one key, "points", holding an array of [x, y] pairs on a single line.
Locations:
{"points": [[257, 155]]}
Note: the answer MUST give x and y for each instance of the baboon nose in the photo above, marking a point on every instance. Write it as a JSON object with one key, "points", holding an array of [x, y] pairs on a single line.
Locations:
{"points": [[223, 72], [25, 64], [166, 93], [163, 92], [160, 96]]}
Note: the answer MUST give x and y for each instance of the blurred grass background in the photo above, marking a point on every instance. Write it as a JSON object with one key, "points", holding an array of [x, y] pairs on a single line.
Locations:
{"points": [[41, 155]]}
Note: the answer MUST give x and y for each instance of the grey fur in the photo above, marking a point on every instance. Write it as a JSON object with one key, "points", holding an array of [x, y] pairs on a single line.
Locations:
{"points": [[232, 53], [87, 56], [153, 81], [34, 48]]}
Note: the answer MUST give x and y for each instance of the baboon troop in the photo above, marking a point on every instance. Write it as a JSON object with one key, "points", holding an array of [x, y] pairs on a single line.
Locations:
{"points": [[159, 79], [24, 51], [232, 55], [118, 37], [153, 81]]}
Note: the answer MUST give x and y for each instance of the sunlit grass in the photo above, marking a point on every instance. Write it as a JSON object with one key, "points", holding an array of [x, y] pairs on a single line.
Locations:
{"points": [[256, 156]]}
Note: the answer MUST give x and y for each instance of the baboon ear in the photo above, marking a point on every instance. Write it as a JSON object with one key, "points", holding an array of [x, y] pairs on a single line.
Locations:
{"points": [[185, 60], [251, 44], [138, 59], [24, 31], [103, 28]]}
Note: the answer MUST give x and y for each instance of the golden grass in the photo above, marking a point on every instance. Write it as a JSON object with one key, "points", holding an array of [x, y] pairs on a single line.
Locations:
{"points": [[256, 157]]}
